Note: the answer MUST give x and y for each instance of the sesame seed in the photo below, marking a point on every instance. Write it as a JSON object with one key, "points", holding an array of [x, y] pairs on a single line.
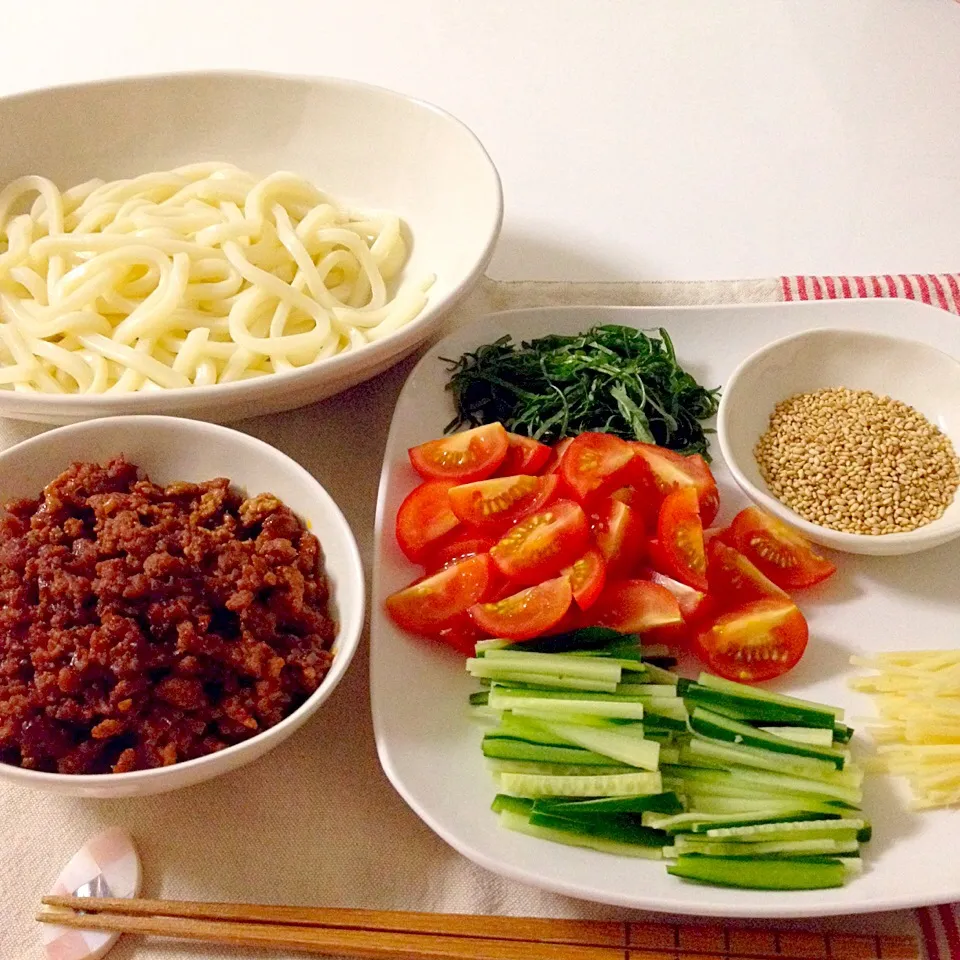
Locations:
{"points": [[857, 462]]}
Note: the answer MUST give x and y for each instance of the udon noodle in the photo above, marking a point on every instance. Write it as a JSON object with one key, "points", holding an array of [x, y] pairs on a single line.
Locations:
{"points": [[200, 275]]}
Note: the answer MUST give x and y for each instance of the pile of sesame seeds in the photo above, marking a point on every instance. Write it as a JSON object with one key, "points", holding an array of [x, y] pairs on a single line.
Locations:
{"points": [[857, 462]]}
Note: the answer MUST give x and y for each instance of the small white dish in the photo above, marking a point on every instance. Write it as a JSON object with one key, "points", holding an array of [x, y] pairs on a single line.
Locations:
{"points": [[368, 147], [170, 449], [915, 373]]}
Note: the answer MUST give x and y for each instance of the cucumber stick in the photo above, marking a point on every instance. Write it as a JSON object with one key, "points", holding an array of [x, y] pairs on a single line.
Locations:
{"points": [[840, 829], [644, 754], [521, 824], [540, 769], [503, 748], [813, 847], [515, 661], [628, 709], [818, 736], [757, 694], [798, 874], [598, 785], [575, 809]]}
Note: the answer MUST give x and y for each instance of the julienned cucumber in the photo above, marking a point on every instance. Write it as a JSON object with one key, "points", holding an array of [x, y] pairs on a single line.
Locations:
{"points": [[794, 874], [595, 747]]}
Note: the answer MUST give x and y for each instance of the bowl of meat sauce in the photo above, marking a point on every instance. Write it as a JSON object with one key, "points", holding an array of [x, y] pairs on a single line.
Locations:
{"points": [[176, 598]]}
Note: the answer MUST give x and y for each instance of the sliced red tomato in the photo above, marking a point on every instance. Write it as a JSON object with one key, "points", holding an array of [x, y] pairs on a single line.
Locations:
{"points": [[457, 546], [524, 455], [671, 470], [640, 494], [526, 614], [779, 552], [435, 603], [462, 457], [618, 531], [680, 551], [496, 503], [595, 464], [462, 634], [758, 641], [694, 604], [424, 517], [635, 606], [734, 580], [556, 455], [587, 578], [540, 545]]}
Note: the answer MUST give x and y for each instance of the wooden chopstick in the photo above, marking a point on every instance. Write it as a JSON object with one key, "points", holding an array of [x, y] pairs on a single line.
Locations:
{"points": [[596, 933], [369, 944], [359, 933]]}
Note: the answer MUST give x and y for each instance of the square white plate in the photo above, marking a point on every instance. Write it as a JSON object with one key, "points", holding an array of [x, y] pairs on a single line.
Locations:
{"points": [[430, 749]]}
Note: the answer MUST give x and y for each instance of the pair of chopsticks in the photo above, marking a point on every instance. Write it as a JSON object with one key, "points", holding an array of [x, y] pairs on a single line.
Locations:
{"points": [[355, 933], [436, 936]]}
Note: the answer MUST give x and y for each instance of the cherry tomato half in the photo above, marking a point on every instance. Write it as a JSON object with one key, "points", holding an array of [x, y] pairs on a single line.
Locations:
{"points": [[435, 603], [587, 578], [457, 546], [496, 503], [595, 464], [543, 543], [758, 641], [526, 614], [734, 580], [462, 634], [680, 552], [781, 553], [694, 604], [462, 457], [556, 455], [671, 470], [618, 531], [524, 455], [424, 517], [635, 606]]}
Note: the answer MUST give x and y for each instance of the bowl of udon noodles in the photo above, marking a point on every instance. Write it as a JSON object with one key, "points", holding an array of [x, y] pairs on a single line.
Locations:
{"points": [[227, 245]]}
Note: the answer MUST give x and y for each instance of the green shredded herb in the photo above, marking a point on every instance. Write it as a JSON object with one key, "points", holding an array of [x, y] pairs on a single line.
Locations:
{"points": [[610, 379]]}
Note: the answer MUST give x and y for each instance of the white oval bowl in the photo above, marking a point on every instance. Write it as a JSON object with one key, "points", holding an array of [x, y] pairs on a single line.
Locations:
{"points": [[368, 147], [170, 449], [914, 373]]}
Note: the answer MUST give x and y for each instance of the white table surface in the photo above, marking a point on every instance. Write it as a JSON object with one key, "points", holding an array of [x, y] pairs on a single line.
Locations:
{"points": [[637, 139]]}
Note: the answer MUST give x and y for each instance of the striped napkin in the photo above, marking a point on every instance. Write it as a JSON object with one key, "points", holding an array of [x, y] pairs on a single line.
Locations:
{"points": [[939, 931], [940, 290]]}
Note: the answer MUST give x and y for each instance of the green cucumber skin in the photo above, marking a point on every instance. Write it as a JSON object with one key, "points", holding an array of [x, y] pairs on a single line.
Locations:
{"points": [[760, 874], [744, 691], [719, 727], [505, 748], [666, 803], [518, 805], [620, 829], [756, 710]]}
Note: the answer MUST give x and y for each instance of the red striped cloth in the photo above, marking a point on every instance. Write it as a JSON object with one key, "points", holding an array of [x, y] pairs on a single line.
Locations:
{"points": [[939, 931], [938, 289]]}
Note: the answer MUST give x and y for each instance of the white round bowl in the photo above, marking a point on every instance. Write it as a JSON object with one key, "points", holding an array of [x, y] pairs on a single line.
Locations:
{"points": [[914, 373], [170, 449], [368, 147]]}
